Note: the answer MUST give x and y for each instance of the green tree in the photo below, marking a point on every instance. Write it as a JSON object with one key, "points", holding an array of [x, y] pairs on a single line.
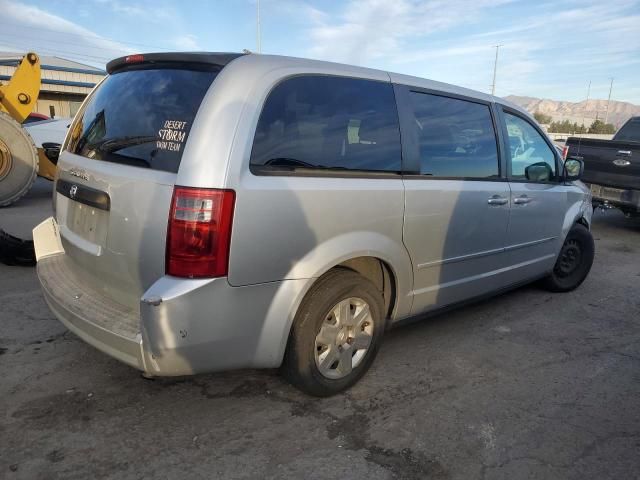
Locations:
{"points": [[566, 126], [598, 126], [579, 128], [542, 118]]}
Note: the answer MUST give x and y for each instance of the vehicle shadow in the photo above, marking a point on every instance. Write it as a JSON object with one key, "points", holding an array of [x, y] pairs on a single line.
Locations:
{"points": [[425, 330], [615, 219]]}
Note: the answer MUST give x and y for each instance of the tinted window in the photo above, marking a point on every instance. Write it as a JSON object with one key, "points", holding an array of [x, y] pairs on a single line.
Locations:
{"points": [[630, 131], [329, 122], [140, 117], [527, 148], [456, 138]]}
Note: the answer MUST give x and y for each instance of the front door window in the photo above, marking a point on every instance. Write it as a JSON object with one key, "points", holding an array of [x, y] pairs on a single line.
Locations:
{"points": [[531, 157]]}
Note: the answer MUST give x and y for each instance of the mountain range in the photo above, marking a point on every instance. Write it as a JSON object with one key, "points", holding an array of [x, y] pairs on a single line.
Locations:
{"points": [[589, 110]]}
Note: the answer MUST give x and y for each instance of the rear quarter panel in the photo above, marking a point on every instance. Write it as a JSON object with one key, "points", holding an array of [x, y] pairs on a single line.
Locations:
{"points": [[294, 227]]}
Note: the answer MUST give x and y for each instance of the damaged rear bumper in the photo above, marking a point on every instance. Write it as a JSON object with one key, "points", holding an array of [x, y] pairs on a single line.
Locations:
{"points": [[181, 326]]}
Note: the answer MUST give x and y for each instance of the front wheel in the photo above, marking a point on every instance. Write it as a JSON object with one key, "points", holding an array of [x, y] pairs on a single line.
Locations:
{"points": [[335, 335], [574, 261]]}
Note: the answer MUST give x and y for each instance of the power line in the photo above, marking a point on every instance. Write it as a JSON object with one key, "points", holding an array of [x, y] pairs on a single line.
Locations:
{"points": [[53, 51], [92, 37], [48, 51], [57, 42], [34, 45]]}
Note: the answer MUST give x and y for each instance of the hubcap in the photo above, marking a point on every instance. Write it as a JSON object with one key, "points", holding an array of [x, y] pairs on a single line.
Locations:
{"points": [[344, 338], [570, 258], [5, 160]]}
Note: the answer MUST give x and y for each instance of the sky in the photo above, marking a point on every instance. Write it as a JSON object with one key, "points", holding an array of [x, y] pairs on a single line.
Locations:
{"points": [[550, 49]]}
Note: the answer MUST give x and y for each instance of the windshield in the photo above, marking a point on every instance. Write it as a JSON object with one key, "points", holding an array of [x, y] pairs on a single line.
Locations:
{"points": [[141, 117], [630, 131]]}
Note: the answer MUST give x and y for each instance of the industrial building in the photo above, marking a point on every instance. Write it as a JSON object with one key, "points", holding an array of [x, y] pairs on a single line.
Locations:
{"points": [[65, 83]]}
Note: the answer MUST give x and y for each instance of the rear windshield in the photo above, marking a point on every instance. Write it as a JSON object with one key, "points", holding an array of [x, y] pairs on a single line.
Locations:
{"points": [[630, 131], [141, 117]]}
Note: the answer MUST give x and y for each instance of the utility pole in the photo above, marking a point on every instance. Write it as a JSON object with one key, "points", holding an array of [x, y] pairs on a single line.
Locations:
{"points": [[606, 115], [586, 104], [258, 39], [495, 69]]}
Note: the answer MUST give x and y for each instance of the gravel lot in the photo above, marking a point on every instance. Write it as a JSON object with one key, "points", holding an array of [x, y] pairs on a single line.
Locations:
{"points": [[525, 385]]}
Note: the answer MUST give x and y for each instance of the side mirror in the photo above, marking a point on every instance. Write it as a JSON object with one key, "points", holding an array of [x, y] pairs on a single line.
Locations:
{"points": [[51, 151], [538, 172], [573, 169]]}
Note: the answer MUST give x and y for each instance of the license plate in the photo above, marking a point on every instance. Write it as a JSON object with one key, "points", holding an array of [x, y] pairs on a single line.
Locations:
{"points": [[86, 224], [82, 219], [611, 193], [607, 193]]}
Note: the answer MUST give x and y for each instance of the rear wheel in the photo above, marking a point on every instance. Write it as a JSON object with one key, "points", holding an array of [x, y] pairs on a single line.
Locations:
{"points": [[574, 261], [18, 161], [336, 334]]}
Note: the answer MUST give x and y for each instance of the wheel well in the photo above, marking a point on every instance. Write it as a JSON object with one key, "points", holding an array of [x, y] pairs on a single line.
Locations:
{"points": [[583, 221], [378, 272]]}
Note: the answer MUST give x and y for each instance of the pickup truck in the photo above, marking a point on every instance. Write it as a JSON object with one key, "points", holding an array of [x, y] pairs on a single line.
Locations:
{"points": [[612, 167]]}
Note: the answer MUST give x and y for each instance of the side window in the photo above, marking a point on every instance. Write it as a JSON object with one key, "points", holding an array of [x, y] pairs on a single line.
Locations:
{"points": [[456, 138], [324, 122], [531, 157], [630, 131]]}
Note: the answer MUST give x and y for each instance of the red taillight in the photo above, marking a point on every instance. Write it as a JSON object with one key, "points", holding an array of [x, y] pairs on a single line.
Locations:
{"points": [[199, 232], [565, 151], [137, 58]]}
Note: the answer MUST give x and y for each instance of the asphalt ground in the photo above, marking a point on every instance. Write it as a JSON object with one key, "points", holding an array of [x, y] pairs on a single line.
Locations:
{"points": [[525, 385]]}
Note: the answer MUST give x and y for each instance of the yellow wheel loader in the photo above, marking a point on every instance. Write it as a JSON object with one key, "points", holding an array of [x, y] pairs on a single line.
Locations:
{"points": [[20, 160]]}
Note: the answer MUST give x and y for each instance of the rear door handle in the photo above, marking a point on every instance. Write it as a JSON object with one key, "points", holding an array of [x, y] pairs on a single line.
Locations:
{"points": [[624, 153], [497, 200], [521, 200]]}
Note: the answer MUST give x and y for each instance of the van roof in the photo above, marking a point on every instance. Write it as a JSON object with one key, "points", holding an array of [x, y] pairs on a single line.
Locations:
{"points": [[270, 62]]}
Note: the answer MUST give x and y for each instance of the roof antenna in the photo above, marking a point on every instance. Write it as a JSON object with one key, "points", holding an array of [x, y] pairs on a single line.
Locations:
{"points": [[583, 115]]}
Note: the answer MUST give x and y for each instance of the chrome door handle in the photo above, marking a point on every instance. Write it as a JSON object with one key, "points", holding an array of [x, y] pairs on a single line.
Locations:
{"points": [[624, 153], [497, 200], [522, 200]]}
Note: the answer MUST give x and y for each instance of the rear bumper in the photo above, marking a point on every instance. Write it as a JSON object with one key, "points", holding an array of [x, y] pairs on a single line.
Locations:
{"points": [[182, 326], [107, 325]]}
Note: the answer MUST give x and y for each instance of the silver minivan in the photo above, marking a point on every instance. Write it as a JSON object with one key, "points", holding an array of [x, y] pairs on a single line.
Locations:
{"points": [[223, 211]]}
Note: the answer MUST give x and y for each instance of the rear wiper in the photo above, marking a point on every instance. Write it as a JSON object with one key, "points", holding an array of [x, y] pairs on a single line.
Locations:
{"points": [[116, 144], [293, 163], [287, 162]]}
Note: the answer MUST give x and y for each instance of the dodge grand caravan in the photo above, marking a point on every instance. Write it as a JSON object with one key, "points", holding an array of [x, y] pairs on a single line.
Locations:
{"points": [[222, 211]]}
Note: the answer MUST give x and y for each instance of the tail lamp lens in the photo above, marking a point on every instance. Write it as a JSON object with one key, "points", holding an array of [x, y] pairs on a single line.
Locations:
{"points": [[199, 232]]}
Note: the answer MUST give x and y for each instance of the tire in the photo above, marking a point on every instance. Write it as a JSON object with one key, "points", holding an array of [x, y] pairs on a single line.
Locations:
{"points": [[322, 356], [574, 261], [18, 161], [15, 251]]}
